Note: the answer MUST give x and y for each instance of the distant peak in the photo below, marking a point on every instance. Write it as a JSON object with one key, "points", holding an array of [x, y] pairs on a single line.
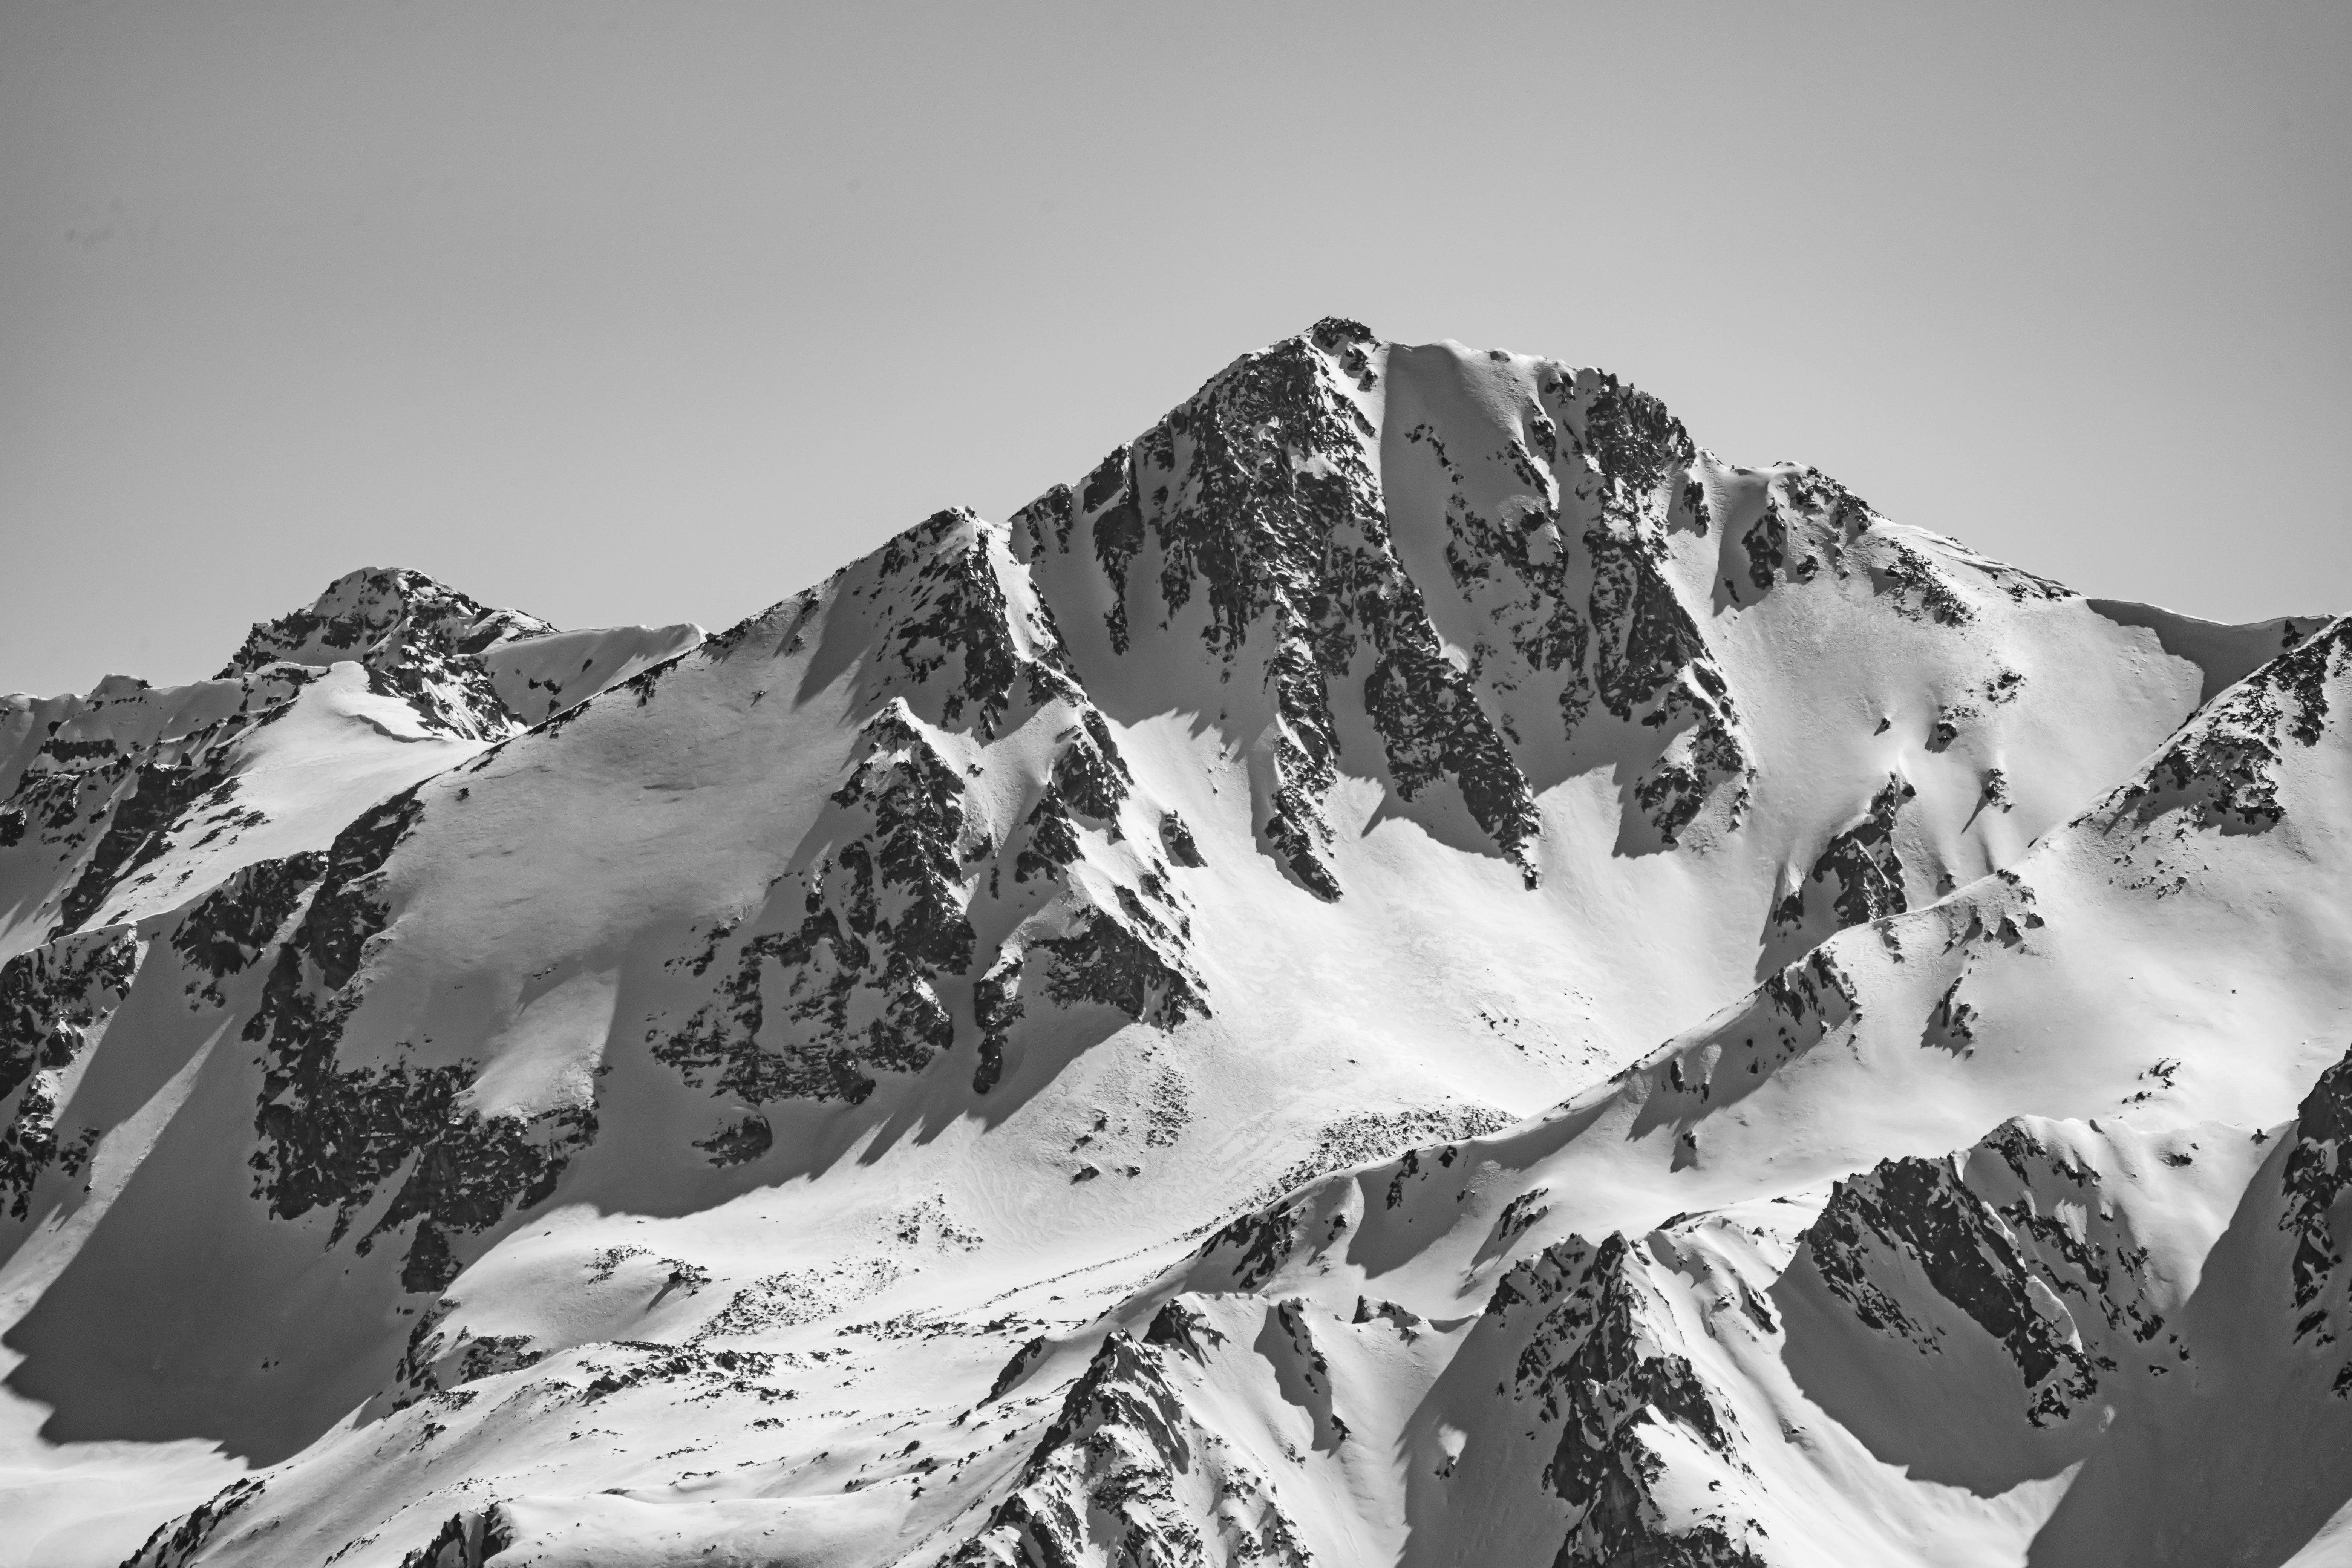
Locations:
{"points": [[378, 610]]}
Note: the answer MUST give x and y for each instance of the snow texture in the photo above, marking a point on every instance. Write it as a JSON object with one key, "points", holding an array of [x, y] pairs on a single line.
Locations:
{"points": [[1413, 969]]}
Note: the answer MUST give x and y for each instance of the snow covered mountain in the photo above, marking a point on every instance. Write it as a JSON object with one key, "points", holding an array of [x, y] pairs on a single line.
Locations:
{"points": [[1132, 1035]]}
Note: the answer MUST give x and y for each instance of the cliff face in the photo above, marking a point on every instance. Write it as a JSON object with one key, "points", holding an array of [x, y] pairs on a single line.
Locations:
{"points": [[1037, 1049]]}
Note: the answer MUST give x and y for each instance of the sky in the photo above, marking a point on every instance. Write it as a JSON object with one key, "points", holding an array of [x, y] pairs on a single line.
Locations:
{"points": [[616, 311]]}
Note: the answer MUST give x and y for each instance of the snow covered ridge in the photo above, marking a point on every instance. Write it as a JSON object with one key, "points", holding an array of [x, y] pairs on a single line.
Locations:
{"points": [[1413, 969]]}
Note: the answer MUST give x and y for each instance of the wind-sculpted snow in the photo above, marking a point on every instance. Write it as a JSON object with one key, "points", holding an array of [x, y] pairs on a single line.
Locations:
{"points": [[1413, 969]]}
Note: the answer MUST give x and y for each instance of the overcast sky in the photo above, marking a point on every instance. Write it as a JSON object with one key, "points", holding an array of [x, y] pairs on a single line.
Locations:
{"points": [[619, 312]]}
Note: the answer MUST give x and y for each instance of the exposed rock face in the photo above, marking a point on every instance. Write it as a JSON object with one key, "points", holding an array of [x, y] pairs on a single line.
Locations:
{"points": [[99, 799], [1787, 1017], [181, 1542], [232, 925], [869, 942], [466, 1539], [1129, 1473], [1259, 499], [1102, 1038], [2017, 1237], [1859, 871], [333, 1135], [417, 640], [2222, 771], [2318, 1172], [54, 1002], [1599, 1356], [879, 921], [104, 787]]}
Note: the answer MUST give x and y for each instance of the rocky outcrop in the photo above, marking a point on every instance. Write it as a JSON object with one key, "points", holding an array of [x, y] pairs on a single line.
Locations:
{"points": [[1859, 871], [123, 773], [1129, 1473], [1793, 1012], [54, 1002], [1570, 570], [959, 631], [879, 921], [2022, 1239], [854, 965], [332, 1135], [1651, 666], [1598, 1355], [1259, 500], [109, 783], [2318, 1170], [178, 1542], [2222, 769], [419, 640], [468, 1538], [846, 970], [234, 925], [434, 1361]]}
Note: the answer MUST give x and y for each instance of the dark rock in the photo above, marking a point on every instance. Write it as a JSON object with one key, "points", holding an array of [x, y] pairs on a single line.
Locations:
{"points": [[178, 1542], [739, 1142], [420, 642], [1859, 867], [1101, 1484], [2222, 768], [879, 922], [1178, 840], [332, 1135], [53, 999], [1264, 1240], [134, 834], [1178, 1327], [1023, 1360], [2318, 1169], [1594, 1357], [1122, 963], [2065, 1300], [232, 926], [1262, 495], [949, 627]]}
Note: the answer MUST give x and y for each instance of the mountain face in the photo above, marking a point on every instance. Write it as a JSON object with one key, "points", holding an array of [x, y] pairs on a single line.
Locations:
{"points": [[1412, 969]]}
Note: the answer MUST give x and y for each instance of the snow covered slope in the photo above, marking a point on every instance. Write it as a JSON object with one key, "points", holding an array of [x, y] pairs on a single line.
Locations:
{"points": [[1132, 1035]]}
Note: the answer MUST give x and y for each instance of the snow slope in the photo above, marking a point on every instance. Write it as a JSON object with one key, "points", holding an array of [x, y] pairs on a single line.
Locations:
{"points": [[1103, 1037]]}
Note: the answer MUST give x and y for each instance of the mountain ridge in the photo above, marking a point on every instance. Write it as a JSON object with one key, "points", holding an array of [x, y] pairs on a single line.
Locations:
{"points": [[1239, 895]]}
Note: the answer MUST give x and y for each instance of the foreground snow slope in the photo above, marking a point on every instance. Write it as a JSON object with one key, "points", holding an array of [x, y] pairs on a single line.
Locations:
{"points": [[1038, 1049]]}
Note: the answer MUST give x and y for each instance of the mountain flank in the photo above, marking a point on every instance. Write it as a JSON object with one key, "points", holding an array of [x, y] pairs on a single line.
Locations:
{"points": [[1412, 969]]}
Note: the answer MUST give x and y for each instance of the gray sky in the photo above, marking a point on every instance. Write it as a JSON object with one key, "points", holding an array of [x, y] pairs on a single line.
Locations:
{"points": [[618, 312]]}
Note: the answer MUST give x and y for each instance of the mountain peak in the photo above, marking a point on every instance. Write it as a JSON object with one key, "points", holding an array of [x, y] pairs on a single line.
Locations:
{"points": [[376, 612], [1137, 1030]]}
